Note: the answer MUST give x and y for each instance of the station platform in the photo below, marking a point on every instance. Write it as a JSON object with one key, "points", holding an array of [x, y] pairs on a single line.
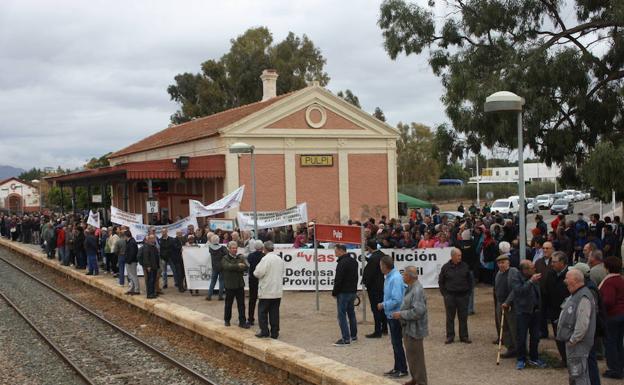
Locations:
{"points": [[305, 346]]}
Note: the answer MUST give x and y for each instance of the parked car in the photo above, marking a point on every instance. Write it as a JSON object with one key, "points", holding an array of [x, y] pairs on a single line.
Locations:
{"points": [[544, 201], [532, 205], [578, 196], [505, 206], [563, 206], [451, 215]]}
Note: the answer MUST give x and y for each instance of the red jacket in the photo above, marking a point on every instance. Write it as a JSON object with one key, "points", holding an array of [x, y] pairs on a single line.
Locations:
{"points": [[612, 292], [60, 238]]}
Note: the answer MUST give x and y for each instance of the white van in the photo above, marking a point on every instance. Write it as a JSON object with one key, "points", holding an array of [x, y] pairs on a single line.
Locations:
{"points": [[505, 206]]}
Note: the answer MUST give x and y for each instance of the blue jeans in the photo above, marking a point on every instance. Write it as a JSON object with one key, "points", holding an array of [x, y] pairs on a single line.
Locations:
{"points": [[397, 345], [614, 351], [121, 265], [213, 281], [61, 254], [528, 324], [93, 264], [344, 303]]}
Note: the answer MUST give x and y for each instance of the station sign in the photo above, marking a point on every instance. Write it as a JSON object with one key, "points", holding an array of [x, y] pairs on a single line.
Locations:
{"points": [[316, 160], [339, 233], [152, 207]]}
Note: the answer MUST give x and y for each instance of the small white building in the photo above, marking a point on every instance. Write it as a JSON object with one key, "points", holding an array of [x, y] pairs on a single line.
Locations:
{"points": [[533, 172], [18, 196]]}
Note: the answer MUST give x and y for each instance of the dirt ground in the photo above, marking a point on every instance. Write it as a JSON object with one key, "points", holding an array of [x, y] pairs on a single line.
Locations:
{"points": [[457, 364]]}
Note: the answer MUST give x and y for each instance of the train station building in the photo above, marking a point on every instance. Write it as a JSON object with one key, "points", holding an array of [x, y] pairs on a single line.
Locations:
{"points": [[309, 146]]}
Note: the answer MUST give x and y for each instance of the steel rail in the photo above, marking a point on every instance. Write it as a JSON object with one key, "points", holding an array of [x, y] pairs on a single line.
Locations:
{"points": [[47, 340], [145, 344]]}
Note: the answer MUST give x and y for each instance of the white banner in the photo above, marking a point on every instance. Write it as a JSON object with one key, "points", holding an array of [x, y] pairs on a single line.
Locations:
{"points": [[125, 218], [266, 219], [94, 219], [224, 204], [197, 267], [140, 231], [299, 266]]}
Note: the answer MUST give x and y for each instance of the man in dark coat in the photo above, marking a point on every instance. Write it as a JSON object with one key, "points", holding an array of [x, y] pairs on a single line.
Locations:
{"points": [[254, 259], [177, 263], [555, 292], [373, 279], [234, 267], [345, 289], [455, 282], [151, 262]]}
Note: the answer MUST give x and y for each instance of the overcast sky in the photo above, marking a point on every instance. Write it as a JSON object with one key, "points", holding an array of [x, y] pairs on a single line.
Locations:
{"points": [[81, 78]]}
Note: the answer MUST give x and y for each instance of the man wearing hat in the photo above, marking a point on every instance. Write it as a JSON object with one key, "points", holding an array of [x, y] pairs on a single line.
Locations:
{"points": [[504, 299]]}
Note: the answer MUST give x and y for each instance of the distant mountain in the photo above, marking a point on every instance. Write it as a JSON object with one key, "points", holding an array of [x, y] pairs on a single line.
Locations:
{"points": [[8, 171]]}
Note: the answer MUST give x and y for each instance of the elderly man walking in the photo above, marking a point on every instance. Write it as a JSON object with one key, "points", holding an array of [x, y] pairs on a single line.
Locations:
{"points": [[413, 318], [504, 299], [455, 282], [576, 327], [269, 273]]}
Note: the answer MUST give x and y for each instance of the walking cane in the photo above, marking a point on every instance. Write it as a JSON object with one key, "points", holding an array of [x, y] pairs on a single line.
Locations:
{"points": [[500, 337]]}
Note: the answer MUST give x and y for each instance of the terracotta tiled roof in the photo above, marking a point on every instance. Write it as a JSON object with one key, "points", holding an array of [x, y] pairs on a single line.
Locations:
{"points": [[196, 129]]}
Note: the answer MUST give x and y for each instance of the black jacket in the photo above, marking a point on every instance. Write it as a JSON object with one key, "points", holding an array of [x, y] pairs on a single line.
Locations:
{"points": [[555, 292], [455, 279], [150, 258], [254, 259], [90, 245], [131, 251], [166, 248], [176, 251], [372, 277], [346, 279], [216, 257]]}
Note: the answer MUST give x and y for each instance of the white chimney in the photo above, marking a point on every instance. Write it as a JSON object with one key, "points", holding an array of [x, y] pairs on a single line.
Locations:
{"points": [[269, 84]]}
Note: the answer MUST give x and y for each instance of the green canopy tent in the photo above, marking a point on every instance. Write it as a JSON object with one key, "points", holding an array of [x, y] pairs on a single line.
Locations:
{"points": [[414, 202]]}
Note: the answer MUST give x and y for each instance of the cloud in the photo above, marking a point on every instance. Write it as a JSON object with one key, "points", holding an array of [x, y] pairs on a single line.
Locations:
{"points": [[79, 79]]}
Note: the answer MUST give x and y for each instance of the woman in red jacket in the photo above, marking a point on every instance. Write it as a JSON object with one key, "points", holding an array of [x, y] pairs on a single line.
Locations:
{"points": [[612, 293], [60, 242]]}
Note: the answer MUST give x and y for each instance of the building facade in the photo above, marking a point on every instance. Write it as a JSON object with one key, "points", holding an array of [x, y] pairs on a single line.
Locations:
{"points": [[533, 172], [18, 196], [309, 146]]}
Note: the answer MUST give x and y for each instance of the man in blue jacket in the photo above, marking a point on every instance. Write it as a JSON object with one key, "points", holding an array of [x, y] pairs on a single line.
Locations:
{"points": [[394, 287]]}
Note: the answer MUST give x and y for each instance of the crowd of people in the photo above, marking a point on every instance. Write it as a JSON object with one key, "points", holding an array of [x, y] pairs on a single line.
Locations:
{"points": [[570, 264]]}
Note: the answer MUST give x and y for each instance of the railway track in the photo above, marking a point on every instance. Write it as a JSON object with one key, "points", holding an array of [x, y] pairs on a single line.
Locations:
{"points": [[98, 351]]}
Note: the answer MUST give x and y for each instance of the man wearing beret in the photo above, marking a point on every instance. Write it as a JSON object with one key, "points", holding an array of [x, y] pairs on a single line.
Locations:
{"points": [[504, 298]]}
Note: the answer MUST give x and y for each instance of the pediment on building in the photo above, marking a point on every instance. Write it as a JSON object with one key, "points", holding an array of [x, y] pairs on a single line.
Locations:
{"points": [[311, 112]]}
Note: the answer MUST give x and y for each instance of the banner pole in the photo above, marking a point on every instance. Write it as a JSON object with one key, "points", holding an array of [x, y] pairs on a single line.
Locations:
{"points": [[316, 270], [363, 246]]}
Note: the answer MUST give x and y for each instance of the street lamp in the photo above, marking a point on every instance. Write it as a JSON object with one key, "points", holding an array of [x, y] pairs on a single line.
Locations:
{"points": [[502, 101], [244, 148]]}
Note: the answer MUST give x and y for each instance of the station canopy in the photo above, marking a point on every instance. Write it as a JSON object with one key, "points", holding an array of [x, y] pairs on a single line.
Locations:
{"points": [[414, 202]]}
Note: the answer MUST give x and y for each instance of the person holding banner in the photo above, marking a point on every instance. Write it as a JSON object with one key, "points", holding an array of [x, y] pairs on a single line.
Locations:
{"points": [[269, 272], [234, 267], [217, 253], [345, 289]]}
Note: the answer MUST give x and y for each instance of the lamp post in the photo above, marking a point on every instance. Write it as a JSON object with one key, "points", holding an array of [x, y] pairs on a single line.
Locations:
{"points": [[244, 148], [508, 101]]}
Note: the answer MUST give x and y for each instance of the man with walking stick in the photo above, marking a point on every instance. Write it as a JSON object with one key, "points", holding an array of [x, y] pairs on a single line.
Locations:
{"points": [[504, 298]]}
